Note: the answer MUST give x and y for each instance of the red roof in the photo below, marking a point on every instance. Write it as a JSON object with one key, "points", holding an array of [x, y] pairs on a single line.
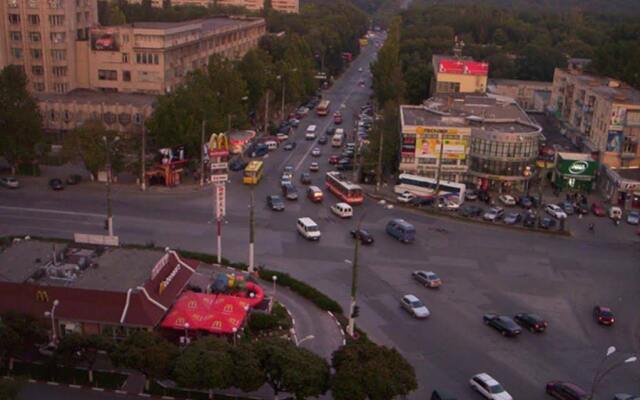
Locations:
{"points": [[463, 67]]}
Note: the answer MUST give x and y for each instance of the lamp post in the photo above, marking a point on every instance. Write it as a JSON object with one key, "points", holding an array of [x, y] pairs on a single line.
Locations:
{"points": [[143, 179], [252, 233], [108, 144], [51, 314], [354, 279], [186, 333], [235, 331], [284, 85], [275, 279], [600, 375]]}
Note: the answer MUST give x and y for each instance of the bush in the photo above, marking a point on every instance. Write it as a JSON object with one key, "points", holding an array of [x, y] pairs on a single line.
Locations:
{"points": [[312, 294], [278, 319], [205, 258]]}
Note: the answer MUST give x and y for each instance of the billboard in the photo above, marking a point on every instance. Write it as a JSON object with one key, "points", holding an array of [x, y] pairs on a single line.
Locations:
{"points": [[614, 141], [105, 40], [618, 117], [580, 168], [452, 149]]}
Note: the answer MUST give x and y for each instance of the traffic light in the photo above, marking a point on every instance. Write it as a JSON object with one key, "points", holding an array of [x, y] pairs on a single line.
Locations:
{"points": [[356, 312]]}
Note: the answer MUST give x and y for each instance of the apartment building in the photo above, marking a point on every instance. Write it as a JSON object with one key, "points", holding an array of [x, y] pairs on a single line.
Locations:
{"points": [[154, 57], [42, 36], [532, 96], [600, 114], [458, 75]]}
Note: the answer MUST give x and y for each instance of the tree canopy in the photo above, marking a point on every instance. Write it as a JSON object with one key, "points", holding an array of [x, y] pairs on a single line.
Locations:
{"points": [[86, 143], [146, 352]]}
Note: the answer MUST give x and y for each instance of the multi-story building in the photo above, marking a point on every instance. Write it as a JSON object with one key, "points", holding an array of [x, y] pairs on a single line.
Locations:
{"points": [[458, 75], [154, 57], [484, 140], [42, 36], [602, 115], [287, 6], [532, 96]]}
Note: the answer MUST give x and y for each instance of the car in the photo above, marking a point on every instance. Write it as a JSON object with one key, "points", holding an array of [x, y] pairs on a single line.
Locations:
{"points": [[529, 219], [427, 278], [347, 154], [405, 197], [493, 214], [74, 179], [547, 223], [259, 150], [488, 387], [471, 195], [302, 112], [289, 146], [288, 169], [603, 315], [330, 131], [334, 159], [289, 191], [625, 396], [9, 182], [526, 202], [315, 194], [316, 152], [565, 391], [532, 322], [322, 140], [305, 178], [282, 136], [555, 211], [633, 218], [237, 164], [581, 208], [503, 324], [414, 306], [337, 118], [512, 218], [295, 122], [483, 195], [344, 165], [285, 180], [314, 167], [471, 210], [309, 136], [567, 207], [362, 234], [598, 210], [422, 201], [361, 82], [360, 69], [448, 204], [507, 200], [275, 202], [56, 184]]}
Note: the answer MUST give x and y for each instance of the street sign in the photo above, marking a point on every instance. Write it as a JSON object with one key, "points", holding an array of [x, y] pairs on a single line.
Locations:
{"points": [[220, 178], [221, 165], [220, 200]]}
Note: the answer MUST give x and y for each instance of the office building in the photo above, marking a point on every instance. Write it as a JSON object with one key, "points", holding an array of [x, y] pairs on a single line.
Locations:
{"points": [[458, 75], [532, 96]]}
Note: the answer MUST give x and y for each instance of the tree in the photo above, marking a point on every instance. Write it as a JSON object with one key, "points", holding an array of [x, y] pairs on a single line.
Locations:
{"points": [[10, 389], [77, 348], [256, 70], [18, 333], [205, 364], [247, 374], [146, 352], [20, 121], [364, 370], [388, 83], [291, 369], [86, 143]]}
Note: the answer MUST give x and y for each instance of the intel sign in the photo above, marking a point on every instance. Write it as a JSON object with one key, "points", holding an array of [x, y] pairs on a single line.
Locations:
{"points": [[578, 167]]}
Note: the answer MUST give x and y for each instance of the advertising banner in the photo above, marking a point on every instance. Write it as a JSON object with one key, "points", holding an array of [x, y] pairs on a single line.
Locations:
{"points": [[618, 117], [220, 200], [577, 168], [105, 40], [614, 141], [453, 149], [408, 147]]}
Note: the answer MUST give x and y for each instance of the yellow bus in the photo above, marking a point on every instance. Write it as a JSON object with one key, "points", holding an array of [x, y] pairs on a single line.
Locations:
{"points": [[253, 173]]}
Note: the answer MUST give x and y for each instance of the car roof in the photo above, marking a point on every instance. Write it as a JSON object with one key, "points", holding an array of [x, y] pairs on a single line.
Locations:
{"points": [[345, 205], [488, 379], [411, 297], [601, 308], [307, 221]]}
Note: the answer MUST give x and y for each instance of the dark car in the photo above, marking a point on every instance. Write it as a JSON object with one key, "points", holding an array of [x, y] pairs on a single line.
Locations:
{"points": [[322, 140], [289, 146], [503, 324], [275, 202], [259, 150], [525, 202], [362, 234], [56, 184], [566, 391], [532, 322], [330, 131], [289, 191], [305, 178], [582, 208], [529, 220], [471, 211], [547, 223], [598, 210], [237, 164], [567, 207], [484, 196], [344, 164], [603, 315], [422, 201], [440, 395], [74, 179]]}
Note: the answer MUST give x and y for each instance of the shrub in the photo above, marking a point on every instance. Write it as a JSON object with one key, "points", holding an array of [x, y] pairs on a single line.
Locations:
{"points": [[312, 294], [279, 318]]}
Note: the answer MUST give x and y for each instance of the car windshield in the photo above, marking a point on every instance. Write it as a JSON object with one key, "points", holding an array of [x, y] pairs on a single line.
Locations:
{"points": [[416, 304], [497, 388], [312, 228], [432, 276], [606, 313]]}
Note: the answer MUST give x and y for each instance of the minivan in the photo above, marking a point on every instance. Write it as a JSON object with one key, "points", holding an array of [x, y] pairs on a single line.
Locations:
{"points": [[314, 194], [308, 228], [401, 230], [342, 210]]}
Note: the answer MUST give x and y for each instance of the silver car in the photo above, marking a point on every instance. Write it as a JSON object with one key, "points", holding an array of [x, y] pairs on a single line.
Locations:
{"points": [[9, 182], [633, 218], [493, 214], [414, 306]]}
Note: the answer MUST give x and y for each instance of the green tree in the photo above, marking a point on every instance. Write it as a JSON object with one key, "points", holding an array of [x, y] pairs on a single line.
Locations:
{"points": [[76, 348], [20, 121], [538, 63], [205, 364], [292, 369], [388, 84], [256, 68], [364, 370], [19, 333], [86, 143], [247, 373], [146, 352], [387, 126]]}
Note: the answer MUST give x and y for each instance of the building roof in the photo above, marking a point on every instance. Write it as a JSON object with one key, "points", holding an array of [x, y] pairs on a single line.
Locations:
{"points": [[518, 82], [87, 96], [612, 89], [206, 24], [576, 156], [461, 66]]}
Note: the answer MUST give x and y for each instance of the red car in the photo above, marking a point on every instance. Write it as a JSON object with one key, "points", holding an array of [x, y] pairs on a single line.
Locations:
{"points": [[334, 159], [603, 315], [598, 210], [566, 391]]}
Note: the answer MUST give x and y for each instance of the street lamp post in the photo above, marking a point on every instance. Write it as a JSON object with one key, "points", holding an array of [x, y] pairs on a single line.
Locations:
{"points": [[354, 279], [275, 279], [600, 375], [186, 333], [108, 145], [52, 314]]}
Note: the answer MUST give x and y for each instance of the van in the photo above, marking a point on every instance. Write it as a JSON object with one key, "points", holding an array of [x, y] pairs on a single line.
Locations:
{"points": [[271, 145], [337, 139], [308, 228], [615, 212], [401, 230], [314, 194], [311, 132], [342, 210]]}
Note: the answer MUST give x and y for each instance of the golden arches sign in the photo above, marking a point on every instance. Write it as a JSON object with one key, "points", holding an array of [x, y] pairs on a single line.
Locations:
{"points": [[42, 295], [218, 142]]}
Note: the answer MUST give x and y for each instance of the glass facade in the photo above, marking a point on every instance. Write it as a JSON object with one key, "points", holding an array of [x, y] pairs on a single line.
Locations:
{"points": [[502, 155]]}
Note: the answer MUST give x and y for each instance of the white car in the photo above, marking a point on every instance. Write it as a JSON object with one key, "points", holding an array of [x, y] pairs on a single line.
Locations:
{"points": [[414, 306], [555, 211], [448, 204], [316, 152], [493, 214], [405, 197], [488, 387], [360, 69], [9, 182], [282, 136], [507, 200], [310, 135]]}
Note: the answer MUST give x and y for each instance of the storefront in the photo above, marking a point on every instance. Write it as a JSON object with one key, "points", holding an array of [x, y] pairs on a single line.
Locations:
{"points": [[574, 172], [621, 186]]}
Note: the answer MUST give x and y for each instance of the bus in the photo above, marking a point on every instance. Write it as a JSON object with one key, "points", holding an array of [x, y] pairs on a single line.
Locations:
{"points": [[253, 173], [344, 189], [323, 108], [421, 186]]}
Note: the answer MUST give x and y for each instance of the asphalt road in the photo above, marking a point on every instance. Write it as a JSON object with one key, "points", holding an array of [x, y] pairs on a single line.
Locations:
{"points": [[484, 269]]}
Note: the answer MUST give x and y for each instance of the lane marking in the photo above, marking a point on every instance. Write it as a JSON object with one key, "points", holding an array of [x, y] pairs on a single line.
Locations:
{"points": [[51, 211]]}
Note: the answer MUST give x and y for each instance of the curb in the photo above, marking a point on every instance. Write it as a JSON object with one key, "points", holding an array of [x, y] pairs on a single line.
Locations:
{"points": [[344, 338]]}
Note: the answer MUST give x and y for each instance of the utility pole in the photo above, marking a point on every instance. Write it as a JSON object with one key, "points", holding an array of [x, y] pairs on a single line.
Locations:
{"points": [[354, 279], [202, 154], [379, 169], [266, 113], [228, 124], [143, 180], [109, 174], [252, 231], [356, 167]]}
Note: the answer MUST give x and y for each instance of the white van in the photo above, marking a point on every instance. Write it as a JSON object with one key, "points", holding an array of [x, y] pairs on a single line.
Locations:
{"points": [[271, 145], [308, 228], [342, 210], [311, 132], [338, 138]]}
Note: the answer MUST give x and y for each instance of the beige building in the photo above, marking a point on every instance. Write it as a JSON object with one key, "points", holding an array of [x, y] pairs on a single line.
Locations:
{"points": [[532, 96], [42, 36], [458, 75], [601, 114], [287, 6], [154, 57]]}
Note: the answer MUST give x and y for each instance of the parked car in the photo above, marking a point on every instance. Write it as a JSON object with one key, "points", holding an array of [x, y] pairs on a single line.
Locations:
{"points": [[471, 195], [305, 178], [422, 201], [565, 391], [625, 396], [532, 322], [488, 387], [74, 179], [598, 210], [512, 218], [259, 150], [9, 182], [289, 191], [333, 159], [633, 218], [471, 210], [604, 315], [282, 137], [507, 200], [56, 184], [289, 146], [555, 211], [237, 164], [529, 219], [405, 197], [414, 306], [441, 395], [275, 202], [314, 167], [493, 214], [547, 223], [448, 204], [567, 207], [615, 213], [582, 208], [344, 165], [316, 152], [428, 278], [503, 324], [362, 234], [526, 202]]}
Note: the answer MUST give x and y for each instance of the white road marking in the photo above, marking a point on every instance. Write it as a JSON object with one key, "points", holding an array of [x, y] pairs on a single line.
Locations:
{"points": [[50, 211]]}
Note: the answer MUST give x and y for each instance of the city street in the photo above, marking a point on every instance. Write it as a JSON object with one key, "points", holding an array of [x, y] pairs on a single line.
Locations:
{"points": [[483, 268]]}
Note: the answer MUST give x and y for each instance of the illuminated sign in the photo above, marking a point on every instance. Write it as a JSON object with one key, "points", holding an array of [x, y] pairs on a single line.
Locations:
{"points": [[42, 295], [159, 265], [218, 145], [578, 167]]}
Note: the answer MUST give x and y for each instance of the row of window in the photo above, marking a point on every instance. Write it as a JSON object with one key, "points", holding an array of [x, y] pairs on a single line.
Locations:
{"points": [[112, 75], [54, 4], [58, 87], [56, 55], [34, 19], [147, 58], [109, 118], [35, 37], [38, 70], [527, 148], [498, 167]]}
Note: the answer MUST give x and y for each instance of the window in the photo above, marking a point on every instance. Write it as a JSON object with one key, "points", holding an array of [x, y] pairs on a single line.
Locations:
{"points": [[56, 20], [107, 75], [14, 19], [57, 37], [146, 58], [33, 19], [36, 54], [34, 36], [60, 87], [37, 70], [38, 86], [59, 55], [15, 36], [125, 58], [16, 52], [126, 76], [156, 59], [78, 17], [59, 71]]}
